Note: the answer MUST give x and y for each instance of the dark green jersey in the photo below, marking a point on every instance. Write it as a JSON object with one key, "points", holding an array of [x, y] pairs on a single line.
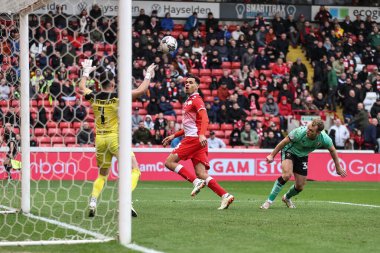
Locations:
{"points": [[302, 146]]}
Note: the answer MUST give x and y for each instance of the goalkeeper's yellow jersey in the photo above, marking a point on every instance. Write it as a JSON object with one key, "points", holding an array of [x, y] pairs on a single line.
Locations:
{"points": [[105, 106]]}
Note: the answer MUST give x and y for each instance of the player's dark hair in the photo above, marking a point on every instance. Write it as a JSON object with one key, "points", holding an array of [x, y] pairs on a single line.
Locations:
{"points": [[105, 79], [197, 80], [318, 123]]}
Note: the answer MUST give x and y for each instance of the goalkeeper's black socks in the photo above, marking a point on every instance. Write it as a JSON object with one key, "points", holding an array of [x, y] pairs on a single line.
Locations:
{"points": [[8, 169]]}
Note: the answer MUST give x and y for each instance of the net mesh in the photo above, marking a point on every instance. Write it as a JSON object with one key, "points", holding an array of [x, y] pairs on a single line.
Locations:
{"points": [[63, 164]]}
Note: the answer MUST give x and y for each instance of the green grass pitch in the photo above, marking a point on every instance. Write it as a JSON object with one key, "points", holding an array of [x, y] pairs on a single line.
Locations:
{"points": [[170, 221]]}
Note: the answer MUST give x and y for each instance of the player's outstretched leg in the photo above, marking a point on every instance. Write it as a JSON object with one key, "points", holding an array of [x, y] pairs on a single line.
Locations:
{"points": [[135, 176], [96, 190], [8, 169], [277, 187], [172, 164]]}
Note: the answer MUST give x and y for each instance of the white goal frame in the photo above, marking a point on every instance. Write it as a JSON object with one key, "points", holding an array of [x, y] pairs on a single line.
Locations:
{"points": [[23, 8]]}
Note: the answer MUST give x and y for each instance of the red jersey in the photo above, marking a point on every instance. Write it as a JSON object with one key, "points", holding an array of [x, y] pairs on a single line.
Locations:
{"points": [[191, 120]]}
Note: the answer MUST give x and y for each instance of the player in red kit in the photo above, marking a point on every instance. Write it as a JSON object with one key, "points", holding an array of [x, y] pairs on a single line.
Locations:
{"points": [[194, 145]]}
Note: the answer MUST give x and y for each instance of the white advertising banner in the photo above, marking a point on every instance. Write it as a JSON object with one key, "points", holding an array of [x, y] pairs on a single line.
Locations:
{"points": [[340, 12], [110, 8]]}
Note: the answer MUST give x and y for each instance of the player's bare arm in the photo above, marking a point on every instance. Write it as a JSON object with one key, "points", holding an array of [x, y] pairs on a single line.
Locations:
{"points": [[334, 154], [169, 138], [277, 149], [204, 125], [145, 84]]}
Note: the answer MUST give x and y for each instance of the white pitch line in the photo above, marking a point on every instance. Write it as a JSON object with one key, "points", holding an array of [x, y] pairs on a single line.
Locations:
{"points": [[352, 204], [63, 225], [139, 248]]}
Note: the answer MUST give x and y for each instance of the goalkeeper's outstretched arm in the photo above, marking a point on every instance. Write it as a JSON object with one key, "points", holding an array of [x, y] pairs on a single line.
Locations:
{"points": [[87, 69], [145, 84]]}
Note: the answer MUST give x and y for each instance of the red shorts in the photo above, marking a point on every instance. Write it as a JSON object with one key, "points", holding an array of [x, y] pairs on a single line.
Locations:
{"points": [[191, 148]]}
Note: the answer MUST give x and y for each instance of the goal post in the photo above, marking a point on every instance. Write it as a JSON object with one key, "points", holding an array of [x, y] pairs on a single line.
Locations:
{"points": [[125, 105], [47, 202]]}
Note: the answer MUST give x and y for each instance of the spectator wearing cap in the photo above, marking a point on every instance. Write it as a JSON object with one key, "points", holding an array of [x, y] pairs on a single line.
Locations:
{"points": [[249, 137], [212, 116], [223, 92], [214, 142], [192, 22], [136, 118], [215, 107], [270, 107]]}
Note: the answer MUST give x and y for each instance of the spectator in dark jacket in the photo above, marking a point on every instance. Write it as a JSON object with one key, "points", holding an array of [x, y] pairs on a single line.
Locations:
{"points": [[236, 113], [320, 101], [86, 135], [142, 135], [192, 22], [369, 134], [270, 141], [166, 107], [160, 123], [375, 110], [79, 111], [62, 113], [228, 80], [235, 137], [153, 107]]}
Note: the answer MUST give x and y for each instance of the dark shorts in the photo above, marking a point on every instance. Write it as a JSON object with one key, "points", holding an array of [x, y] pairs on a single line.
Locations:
{"points": [[300, 164]]}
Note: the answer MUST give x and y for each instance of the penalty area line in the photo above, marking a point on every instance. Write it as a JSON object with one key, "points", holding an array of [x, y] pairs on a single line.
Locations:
{"points": [[139, 248]]}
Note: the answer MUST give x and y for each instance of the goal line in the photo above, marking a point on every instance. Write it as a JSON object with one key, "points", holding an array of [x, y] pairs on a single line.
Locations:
{"points": [[97, 236]]}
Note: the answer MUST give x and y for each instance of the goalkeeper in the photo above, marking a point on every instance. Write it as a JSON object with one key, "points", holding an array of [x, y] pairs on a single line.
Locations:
{"points": [[105, 106]]}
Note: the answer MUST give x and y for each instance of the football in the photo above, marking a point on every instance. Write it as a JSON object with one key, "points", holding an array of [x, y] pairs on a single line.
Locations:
{"points": [[168, 44]]}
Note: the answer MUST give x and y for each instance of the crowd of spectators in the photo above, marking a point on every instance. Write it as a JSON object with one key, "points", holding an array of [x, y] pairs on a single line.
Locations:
{"points": [[247, 81]]}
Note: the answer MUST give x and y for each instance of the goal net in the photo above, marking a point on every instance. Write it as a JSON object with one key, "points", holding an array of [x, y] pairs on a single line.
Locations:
{"points": [[60, 34]]}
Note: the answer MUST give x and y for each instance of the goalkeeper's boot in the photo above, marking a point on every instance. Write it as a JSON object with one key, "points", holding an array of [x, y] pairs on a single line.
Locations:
{"points": [[92, 207], [197, 187], [226, 201], [266, 204], [288, 202], [134, 213]]}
